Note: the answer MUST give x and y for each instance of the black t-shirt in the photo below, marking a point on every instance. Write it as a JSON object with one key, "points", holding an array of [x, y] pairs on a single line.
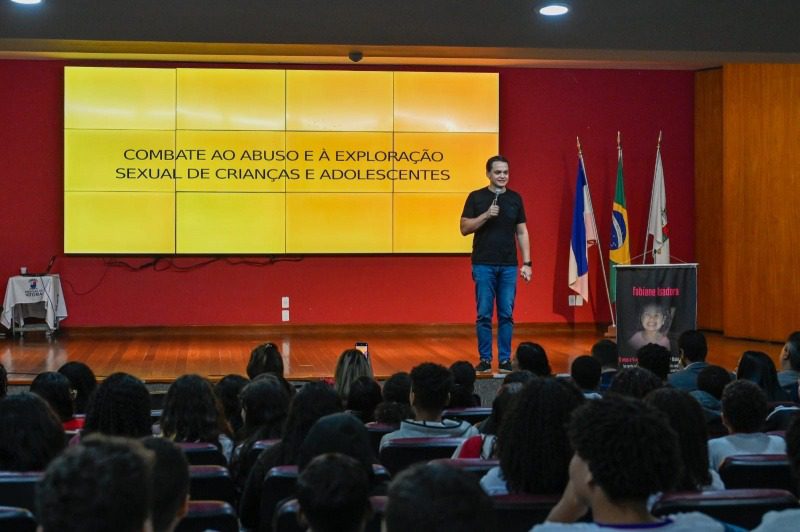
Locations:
{"points": [[495, 242]]}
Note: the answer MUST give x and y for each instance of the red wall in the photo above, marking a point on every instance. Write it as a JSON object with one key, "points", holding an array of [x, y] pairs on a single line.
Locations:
{"points": [[541, 112]]}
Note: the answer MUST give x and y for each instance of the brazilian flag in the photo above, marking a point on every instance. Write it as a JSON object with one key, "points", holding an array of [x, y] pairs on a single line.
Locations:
{"points": [[620, 252]]}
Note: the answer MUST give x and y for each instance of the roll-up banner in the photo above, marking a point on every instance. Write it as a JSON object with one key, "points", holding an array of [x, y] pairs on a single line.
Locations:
{"points": [[655, 304]]}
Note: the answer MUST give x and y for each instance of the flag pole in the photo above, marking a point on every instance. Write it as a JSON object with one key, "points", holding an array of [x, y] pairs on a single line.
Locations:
{"points": [[597, 235], [650, 210]]}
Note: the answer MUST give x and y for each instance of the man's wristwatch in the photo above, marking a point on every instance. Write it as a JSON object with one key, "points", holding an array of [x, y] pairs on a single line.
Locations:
{"points": [[529, 263]]}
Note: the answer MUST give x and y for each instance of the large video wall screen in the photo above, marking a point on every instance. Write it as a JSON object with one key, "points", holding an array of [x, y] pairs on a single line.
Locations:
{"points": [[224, 161]]}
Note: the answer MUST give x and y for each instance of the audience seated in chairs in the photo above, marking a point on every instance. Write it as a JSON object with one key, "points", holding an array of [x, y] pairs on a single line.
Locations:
{"points": [[430, 390], [102, 484], [585, 372], [656, 358], [437, 498], [463, 394], [532, 357], [395, 406], [757, 367], [227, 391], [693, 350], [607, 353], [313, 401], [685, 416], [351, 365], [82, 381], [634, 382], [624, 452], [532, 444], [789, 376], [364, 397], [30, 433], [265, 403], [744, 409], [55, 388], [786, 519], [119, 407], [333, 492], [192, 414], [170, 479]]}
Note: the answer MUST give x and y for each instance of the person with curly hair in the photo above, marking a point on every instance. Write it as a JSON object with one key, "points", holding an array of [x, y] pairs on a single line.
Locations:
{"points": [[192, 413], [532, 444], [119, 407], [634, 382], [686, 418], [395, 406], [32, 435], [313, 401], [364, 398], [624, 451], [82, 381], [744, 411]]}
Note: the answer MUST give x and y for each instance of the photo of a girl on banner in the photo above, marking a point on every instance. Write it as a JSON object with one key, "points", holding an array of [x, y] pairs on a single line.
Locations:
{"points": [[654, 320]]}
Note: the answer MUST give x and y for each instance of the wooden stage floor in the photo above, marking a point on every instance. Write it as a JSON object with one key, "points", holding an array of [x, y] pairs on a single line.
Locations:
{"points": [[159, 355]]}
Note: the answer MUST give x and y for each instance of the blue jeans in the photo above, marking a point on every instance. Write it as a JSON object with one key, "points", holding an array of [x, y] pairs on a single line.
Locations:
{"points": [[494, 283]]}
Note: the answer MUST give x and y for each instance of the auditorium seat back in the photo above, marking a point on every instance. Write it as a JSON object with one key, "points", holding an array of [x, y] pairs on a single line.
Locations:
{"points": [[758, 471], [202, 454], [519, 512], [477, 467], [16, 520], [258, 448], [376, 431], [472, 414], [209, 515], [286, 516], [18, 489], [401, 453], [740, 507], [211, 483]]}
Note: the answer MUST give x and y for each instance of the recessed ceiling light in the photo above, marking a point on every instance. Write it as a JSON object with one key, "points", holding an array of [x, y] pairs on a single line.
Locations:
{"points": [[27, 2], [553, 10]]}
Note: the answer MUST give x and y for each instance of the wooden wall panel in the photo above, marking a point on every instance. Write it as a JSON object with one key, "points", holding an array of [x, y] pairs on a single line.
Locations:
{"points": [[708, 197], [761, 196]]}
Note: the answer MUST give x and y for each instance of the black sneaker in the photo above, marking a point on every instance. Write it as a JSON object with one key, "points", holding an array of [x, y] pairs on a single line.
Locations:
{"points": [[484, 366], [505, 367]]}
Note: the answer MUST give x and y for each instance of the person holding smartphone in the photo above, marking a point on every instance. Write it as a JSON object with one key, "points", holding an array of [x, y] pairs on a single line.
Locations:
{"points": [[495, 216]]}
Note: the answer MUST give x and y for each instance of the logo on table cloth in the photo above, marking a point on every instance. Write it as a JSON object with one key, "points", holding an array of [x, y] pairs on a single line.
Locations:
{"points": [[32, 284], [34, 290]]}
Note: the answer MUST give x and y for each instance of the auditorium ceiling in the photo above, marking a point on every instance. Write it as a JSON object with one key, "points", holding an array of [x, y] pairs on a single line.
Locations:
{"points": [[681, 34]]}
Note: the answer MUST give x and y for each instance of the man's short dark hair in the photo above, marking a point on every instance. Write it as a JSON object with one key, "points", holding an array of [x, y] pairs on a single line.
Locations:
{"points": [[102, 484], [494, 159], [713, 379], [170, 481], [431, 384], [607, 353], [629, 447], [397, 387], [333, 492], [437, 498], [694, 346], [656, 358], [793, 348], [635, 382], [744, 406], [585, 371], [532, 356]]}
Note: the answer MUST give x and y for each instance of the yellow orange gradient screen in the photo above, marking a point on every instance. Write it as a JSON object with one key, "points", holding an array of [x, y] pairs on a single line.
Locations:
{"points": [[237, 161]]}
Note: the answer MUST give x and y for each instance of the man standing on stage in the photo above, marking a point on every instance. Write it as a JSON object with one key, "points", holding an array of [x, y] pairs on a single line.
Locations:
{"points": [[496, 215]]}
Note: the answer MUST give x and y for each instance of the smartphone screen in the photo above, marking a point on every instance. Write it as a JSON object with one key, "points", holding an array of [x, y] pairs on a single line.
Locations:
{"points": [[363, 347]]}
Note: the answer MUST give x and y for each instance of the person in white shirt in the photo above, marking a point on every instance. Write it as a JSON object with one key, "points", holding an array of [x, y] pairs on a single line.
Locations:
{"points": [[744, 410], [430, 392], [624, 452]]}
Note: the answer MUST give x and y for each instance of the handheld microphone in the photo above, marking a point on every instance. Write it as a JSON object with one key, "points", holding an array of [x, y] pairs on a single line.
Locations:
{"points": [[496, 197]]}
